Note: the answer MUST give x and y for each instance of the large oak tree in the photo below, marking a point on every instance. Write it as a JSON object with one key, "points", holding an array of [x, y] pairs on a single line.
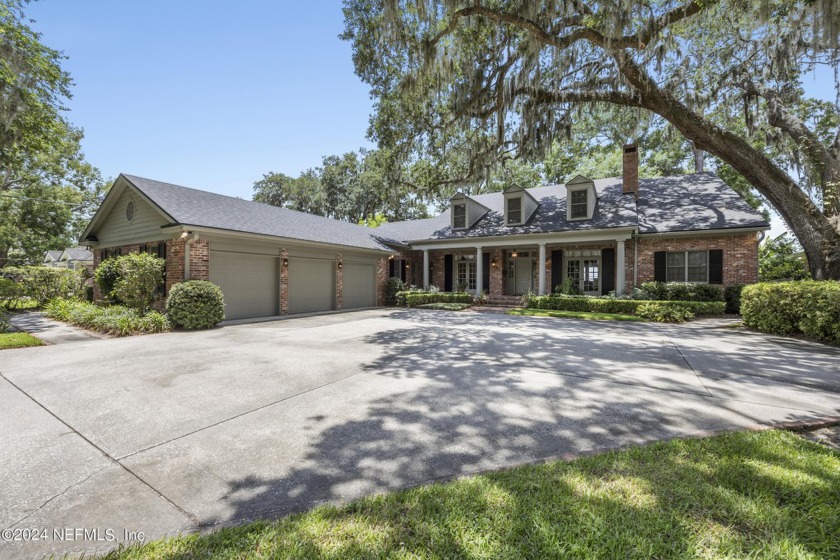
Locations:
{"points": [[467, 84]]}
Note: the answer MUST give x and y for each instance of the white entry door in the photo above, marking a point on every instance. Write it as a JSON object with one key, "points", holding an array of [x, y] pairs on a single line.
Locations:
{"points": [[523, 276]]}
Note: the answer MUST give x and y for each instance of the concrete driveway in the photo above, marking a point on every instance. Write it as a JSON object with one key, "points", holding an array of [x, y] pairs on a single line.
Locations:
{"points": [[183, 431]]}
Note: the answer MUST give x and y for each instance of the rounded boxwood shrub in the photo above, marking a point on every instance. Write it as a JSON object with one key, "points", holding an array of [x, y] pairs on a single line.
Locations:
{"points": [[195, 304]]}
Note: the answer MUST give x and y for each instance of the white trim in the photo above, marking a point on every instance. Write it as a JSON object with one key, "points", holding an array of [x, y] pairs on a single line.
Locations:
{"points": [[702, 232], [618, 234]]}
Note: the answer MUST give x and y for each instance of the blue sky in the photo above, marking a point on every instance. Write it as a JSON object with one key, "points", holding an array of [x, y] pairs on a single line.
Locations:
{"points": [[213, 95], [204, 93]]}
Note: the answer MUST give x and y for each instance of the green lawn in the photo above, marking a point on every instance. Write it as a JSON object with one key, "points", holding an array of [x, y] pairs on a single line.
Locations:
{"points": [[444, 306], [18, 340], [574, 315], [769, 494]]}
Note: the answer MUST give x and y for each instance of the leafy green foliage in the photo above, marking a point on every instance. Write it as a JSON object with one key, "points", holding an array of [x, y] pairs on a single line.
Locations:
{"points": [[47, 189], [115, 320], [442, 306], [732, 297], [195, 304], [665, 311], [568, 288], [140, 275], [807, 308], [394, 286], [418, 297], [620, 306], [588, 315], [5, 324], [10, 294], [781, 258], [41, 283], [678, 291], [106, 275]]}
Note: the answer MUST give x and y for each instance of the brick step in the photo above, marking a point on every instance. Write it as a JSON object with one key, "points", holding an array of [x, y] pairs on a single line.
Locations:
{"points": [[504, 301]]}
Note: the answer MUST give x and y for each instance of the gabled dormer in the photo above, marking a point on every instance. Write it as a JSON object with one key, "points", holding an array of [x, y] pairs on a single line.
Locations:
{"points": [[580, 199], [519, 206], [465, 211]]}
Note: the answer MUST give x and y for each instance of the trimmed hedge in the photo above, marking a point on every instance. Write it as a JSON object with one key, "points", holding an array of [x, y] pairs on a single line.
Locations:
{"points": [[732, 297], [623, 306], [678, 291], [196, 304], [810, 308], [415, 298]]}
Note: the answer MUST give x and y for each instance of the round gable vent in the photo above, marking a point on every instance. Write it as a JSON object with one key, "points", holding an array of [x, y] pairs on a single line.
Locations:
{"points": [[129, 210]]}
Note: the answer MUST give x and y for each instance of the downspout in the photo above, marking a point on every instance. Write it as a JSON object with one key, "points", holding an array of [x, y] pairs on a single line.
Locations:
{"points": [[187, 243]]}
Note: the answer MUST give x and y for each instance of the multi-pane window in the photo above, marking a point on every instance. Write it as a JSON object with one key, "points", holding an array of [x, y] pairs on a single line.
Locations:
{"points": [[514, 211], [466, 275], [459, 216], [687, 266], [590, 275], [578, 204]]}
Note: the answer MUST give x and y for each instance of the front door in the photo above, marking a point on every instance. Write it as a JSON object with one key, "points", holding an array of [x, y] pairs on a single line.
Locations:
{"points": [[523, 276]]}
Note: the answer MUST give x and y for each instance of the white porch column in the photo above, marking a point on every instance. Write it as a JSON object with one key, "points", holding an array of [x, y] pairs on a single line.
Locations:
{"points": [[619, 265], [425, 269], [479, 271], [541, 265]]}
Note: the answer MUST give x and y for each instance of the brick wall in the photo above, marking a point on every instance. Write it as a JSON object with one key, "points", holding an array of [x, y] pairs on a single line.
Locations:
{"points": [[740, 255], [497, 273], [199, 261], [339, 280], [381, 280], [284, 282]]}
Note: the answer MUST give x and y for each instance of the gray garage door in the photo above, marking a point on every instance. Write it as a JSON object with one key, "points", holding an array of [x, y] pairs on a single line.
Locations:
{"points": [[248, 282], [359, 281], [311, 285]]}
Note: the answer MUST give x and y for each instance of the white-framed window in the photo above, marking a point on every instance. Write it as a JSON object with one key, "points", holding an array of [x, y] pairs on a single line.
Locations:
{"points": [[459, 216], [514, 211], [687, 266], [578, 204]]}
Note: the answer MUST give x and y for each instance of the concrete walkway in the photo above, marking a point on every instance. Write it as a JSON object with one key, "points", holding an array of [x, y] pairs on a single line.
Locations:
{"points": [[51, 332], [188, 431]]}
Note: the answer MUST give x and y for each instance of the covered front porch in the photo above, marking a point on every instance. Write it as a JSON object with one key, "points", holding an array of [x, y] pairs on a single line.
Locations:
{"points": [[591, 264]]}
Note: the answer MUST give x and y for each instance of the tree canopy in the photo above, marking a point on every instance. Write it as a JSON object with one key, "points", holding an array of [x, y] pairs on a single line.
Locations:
{"points": [[461, 88], [47, 189]]}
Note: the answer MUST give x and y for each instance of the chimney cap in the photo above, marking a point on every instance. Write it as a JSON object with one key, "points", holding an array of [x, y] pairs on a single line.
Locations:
{"points": [[630, 148]]}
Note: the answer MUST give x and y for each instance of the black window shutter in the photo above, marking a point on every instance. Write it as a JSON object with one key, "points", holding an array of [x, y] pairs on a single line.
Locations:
{"points": [[390, 268], [402, 270], [607, 271], [485, 272], [556, 270], [716, 266], [660, 266], [447, 273]]}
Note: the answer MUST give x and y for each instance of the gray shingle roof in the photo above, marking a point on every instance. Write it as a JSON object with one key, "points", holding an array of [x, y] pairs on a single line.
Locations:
{"points": [[79, 254], [686, 203], [205, 209], [53, 254]]}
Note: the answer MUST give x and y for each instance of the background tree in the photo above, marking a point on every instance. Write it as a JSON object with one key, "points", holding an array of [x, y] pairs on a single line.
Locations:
{"points": [[781, 258], [489, 81], [47, 189]]}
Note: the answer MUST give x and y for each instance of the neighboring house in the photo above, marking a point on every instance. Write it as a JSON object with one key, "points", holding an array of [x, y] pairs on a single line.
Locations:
{"points": [[71, 257], [602, 236], [267, 260]]}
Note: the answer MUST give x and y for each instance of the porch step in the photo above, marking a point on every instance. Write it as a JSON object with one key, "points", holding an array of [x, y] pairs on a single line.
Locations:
{"points": [[504, 301]]}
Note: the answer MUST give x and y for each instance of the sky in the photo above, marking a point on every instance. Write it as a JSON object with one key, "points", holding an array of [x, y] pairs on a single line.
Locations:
{"points": [[213, 95], [208, 94]]}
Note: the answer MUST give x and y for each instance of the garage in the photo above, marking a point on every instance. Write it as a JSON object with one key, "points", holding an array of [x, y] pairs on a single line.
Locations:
{"points": [[359, 280], [248, 282], [311, 285]]}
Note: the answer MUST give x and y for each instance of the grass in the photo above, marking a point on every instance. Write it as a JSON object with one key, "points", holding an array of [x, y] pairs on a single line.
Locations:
{"points": [[770, 494], [574, 314], [445, 306], [18, 340]]}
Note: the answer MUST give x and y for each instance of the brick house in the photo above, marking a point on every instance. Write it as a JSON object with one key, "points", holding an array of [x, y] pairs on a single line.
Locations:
{"points": [[599, 235]]}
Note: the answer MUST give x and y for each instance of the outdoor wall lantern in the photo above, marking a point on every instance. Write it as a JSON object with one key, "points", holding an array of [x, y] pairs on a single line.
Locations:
{"points": [[340, 265], [285, 262]]}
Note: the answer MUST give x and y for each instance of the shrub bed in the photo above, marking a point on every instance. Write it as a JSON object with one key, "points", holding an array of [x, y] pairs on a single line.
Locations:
{"points": [[196, 304], [678, 291], [40, 284], [415, 298], [810, 308], [115, 320], [623, 306]]}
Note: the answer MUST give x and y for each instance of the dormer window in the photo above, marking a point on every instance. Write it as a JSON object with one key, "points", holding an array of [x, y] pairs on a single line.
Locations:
{"points": [[459, 216], [579, 204], [514, 211]]}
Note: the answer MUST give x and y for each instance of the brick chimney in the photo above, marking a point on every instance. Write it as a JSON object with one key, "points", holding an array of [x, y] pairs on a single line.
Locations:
{"points": [[630, 180]]}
